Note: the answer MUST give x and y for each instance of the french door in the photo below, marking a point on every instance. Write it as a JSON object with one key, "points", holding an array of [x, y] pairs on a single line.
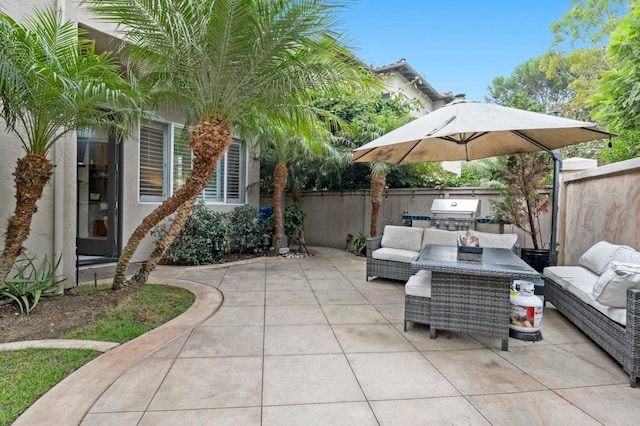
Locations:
{"points": [[98, 186]]}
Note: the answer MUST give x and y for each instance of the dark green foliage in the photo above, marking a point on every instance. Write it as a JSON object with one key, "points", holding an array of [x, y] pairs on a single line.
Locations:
{"points": [[30, 282], [293, 220], [244, 221], [194, 244], [360, 244]]}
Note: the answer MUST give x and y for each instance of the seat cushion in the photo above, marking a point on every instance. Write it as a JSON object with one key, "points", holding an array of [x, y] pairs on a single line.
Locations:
{"points": [[419, 285], [618, 315], [402, 237], [440, 236], [394, 254], [611, 287], [598, 256], [487, 239], [565, 275]]}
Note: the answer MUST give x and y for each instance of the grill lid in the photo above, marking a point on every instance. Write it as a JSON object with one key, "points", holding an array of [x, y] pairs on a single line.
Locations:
{"points": [[455, 208]]}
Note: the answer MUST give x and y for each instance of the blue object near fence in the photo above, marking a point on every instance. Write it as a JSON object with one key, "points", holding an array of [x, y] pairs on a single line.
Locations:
{"points": [[265, 214]]}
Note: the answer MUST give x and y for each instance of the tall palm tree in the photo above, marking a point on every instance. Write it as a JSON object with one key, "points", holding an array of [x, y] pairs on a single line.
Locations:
{"points": [[284, 147], [51, 83], [222, 61]]}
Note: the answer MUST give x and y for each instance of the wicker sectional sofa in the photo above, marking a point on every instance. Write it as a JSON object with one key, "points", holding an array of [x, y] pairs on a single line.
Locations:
{"points": [[390, 255], [601, 296]]}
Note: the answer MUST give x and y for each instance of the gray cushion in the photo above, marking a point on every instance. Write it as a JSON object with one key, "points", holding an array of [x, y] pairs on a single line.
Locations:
{"points": [[419, 285], [402, 237], [395, 255], [611, 287], [599, 255]]}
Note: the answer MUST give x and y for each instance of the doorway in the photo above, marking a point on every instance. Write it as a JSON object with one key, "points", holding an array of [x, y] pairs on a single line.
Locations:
{"points": [[98, 224]]}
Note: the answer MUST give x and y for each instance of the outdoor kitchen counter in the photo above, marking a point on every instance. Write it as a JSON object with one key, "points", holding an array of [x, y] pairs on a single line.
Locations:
{"points": [[472, 297]]}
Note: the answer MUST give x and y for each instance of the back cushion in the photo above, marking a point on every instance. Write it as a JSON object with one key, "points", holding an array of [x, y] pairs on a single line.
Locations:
{"points": [[626, 255], [441, 237], [611, 287], [402, 237], [599, 255], [487, 239]]}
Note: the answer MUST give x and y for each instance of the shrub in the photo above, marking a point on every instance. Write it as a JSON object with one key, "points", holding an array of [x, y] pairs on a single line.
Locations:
{"points": [[245, 221], [194, 245], [30, 282], [293, 220]]}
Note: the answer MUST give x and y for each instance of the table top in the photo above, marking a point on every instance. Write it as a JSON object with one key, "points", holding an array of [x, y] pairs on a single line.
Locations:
{"points": [[495, 262]]}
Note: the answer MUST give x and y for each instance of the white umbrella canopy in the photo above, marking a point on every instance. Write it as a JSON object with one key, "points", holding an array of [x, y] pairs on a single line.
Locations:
{"points": [[467, 130]]}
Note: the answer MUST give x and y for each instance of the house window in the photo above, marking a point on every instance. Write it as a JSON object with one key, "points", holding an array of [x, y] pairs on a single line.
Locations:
{"points": [[165, 166], [153, 138], [228, 180]]}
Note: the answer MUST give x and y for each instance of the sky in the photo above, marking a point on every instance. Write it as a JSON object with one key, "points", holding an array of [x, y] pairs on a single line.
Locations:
{"points": [[458, 46]]}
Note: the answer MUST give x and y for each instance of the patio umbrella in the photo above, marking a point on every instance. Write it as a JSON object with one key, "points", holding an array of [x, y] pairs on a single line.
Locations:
{"points": [[467, 130]]}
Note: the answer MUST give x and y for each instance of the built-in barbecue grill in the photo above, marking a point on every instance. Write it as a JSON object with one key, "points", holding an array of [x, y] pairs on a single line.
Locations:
{"points": [[454, 214]]}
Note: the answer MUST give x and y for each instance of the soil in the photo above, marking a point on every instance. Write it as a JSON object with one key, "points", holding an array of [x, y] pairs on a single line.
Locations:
{"points": [[55, 315]]}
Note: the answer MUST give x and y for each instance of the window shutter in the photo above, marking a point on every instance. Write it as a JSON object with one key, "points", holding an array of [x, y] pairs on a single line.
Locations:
{"points": [[151, 163], [181, 157], [234, 173]]}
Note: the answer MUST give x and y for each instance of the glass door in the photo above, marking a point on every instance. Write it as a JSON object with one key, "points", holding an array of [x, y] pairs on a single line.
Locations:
{"points": [[97, 221]]}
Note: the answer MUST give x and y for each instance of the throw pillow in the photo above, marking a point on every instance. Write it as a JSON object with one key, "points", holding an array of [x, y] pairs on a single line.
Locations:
{"points": [[599, 255], [611, 287]]}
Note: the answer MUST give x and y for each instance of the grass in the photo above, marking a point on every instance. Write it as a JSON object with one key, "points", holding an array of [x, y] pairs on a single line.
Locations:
{"points": [[27, 374]]}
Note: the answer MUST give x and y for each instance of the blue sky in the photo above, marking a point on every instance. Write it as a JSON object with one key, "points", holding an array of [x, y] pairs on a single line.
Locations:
{"points": [[457, 45]]}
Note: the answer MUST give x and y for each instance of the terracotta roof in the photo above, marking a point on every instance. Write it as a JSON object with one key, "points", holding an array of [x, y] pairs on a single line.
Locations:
{"points": [[403, 68]]}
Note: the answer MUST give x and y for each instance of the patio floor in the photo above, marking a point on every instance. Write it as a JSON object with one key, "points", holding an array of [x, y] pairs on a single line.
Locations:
{"points": [[310, 341]]}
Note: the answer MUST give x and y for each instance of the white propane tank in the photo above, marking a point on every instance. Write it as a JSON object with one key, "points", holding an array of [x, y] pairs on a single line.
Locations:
{"points": [[526, 307]]}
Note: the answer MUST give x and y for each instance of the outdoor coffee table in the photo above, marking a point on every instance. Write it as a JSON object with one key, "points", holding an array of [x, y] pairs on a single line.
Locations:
{"points": [[472, 297]]}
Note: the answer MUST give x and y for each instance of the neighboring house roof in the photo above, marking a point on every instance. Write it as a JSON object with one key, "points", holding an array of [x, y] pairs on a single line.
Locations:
{"points": [[407, 71]]}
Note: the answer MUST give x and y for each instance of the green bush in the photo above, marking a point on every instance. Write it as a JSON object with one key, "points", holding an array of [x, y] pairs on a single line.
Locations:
{"points": [[194, 245], [293, 220], [244, 222], [30, 282]]}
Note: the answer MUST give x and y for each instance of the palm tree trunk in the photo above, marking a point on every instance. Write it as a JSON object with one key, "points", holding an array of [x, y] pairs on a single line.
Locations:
{"points": [[31, 175], [141, 277], [209, 141], [280, 174], [378, 181]]}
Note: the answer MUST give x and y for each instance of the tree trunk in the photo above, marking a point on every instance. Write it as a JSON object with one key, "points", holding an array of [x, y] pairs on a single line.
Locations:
{"points": [[31, 175], [279, 182], [209, 141], [141, 277], [378, 181], [295, 195]]}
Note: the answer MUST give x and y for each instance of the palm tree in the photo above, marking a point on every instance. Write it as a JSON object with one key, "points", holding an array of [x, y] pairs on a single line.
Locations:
{"points": [[51, 83], [222, 61], [284, 147]]}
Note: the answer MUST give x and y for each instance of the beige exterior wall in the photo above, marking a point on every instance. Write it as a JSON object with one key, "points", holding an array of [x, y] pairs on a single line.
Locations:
{"points": [[599, 204], [333, 215], [53, 229], [398, 85]]}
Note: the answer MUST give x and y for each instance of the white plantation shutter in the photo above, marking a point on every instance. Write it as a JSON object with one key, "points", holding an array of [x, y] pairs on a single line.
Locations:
{"points": [[213, 191], [234, 174], [152, 173], [227, 182], [181, 157]]}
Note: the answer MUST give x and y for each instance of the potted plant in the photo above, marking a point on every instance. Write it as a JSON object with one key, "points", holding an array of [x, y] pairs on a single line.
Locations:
{"points": [[523, 202], [360, 244]]}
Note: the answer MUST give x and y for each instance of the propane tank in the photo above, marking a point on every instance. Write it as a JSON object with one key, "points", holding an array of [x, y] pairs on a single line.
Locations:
{"points": [[526, 308]]}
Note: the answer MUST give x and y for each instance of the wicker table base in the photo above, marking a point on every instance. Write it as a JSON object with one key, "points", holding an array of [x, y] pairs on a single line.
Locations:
{"points": [[470, 304], [472, 297]]}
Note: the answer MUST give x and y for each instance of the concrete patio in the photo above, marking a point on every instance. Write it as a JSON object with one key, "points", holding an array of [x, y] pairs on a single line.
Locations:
{"points": [[309, 341]]}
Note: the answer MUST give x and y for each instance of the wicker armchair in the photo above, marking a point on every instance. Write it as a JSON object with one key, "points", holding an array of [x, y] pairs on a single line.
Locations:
{"points": [[385, 268]]}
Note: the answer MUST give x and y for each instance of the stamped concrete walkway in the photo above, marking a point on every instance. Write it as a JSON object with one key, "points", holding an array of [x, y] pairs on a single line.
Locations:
{"points": [[311, 342]]}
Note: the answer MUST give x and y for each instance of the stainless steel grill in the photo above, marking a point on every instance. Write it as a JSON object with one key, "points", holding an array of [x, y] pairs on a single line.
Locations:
{"points": [[454, 214]]}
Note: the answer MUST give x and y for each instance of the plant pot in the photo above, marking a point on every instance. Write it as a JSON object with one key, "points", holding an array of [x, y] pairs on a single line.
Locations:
{"points": [[537, 259]]}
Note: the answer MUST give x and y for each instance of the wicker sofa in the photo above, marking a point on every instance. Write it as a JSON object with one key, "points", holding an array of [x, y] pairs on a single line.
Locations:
{"points": [[601, 296], [390, 255]]}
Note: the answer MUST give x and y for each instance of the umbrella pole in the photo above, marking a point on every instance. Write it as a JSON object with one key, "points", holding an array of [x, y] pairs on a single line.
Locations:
{"points": [[557, 163]]}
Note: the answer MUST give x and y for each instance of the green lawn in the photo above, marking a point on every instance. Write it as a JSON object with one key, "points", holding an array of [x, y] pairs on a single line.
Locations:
{"points": [[27, 374]]}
